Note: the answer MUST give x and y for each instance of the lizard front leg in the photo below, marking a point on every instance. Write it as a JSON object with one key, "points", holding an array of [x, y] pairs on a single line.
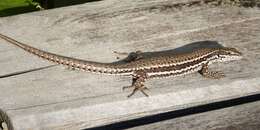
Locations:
{"points": [[138, 83], [210, 74]]}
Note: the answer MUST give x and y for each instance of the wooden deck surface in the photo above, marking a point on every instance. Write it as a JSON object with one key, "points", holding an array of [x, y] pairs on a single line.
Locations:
{"points": [[36, 94]]}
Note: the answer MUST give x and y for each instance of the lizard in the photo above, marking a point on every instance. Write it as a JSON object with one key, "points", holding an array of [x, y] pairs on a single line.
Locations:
{"points": [[142, 69]]}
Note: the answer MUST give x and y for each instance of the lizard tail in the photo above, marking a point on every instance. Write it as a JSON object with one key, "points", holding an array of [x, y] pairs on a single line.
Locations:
{"points": [[97, 67], [12, 41]]}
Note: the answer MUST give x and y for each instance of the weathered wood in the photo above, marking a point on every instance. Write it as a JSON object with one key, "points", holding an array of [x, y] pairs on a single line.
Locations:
{"points": [[242, 117], [55, 98]]}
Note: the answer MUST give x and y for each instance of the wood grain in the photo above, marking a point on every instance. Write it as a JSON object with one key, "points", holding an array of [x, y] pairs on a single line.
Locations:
{"points": [[56, 98]]}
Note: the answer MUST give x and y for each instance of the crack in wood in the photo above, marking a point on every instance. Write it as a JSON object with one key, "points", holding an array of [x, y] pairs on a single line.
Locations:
{"points": [[25, 71]]}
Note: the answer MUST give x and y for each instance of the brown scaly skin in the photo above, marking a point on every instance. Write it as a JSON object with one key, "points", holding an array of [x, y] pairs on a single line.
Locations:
{"points": [[142, 69]]}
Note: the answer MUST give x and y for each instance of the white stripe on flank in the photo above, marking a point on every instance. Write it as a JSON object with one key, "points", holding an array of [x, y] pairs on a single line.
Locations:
{"points": [[177, 63], [192, 69]]}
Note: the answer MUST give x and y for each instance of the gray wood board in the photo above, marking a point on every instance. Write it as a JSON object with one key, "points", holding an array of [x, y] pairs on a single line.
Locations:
{"points": [[241, 117], [56, 98]]}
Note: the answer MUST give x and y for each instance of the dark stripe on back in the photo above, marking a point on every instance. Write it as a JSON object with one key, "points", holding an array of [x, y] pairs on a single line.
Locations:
{"points": [[177, 67]]}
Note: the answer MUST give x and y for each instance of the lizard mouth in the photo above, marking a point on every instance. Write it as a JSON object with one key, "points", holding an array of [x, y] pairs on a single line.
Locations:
{"points": [[230, 58]]}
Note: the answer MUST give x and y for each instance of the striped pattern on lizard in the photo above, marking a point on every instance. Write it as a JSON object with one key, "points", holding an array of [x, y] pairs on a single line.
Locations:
{"points": [[142, 69]]}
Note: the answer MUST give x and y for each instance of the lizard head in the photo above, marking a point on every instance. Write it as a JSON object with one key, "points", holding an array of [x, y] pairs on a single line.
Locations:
{"points": [[229, 54]]}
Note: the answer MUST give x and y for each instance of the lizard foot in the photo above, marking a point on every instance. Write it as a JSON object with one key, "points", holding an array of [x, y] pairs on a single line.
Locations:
{"points": [[211, 74]]}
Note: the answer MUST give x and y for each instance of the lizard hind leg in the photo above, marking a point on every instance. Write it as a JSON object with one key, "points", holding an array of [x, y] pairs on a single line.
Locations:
{"points": [[131, 56], [210, 74], [138, 84]]}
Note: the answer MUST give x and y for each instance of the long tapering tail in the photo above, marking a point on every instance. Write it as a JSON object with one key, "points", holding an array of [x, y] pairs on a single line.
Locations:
{"points": [[84, 65]]}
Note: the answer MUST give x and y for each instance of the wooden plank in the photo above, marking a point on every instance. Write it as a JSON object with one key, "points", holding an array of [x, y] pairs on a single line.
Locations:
{"points": [[242, 117], [55, 98]]}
